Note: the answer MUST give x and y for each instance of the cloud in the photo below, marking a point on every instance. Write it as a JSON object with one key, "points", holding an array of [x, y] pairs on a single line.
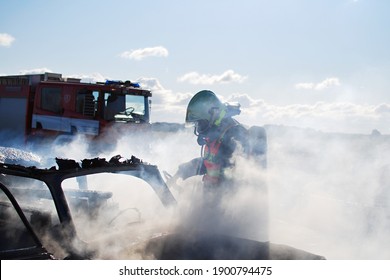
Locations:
{"points": [[6, 40], [140, 54], [168, 106], [89, 78], [326, 116], [167, 97], [228, 76], [327, 83], [35, 71], [244, 100], [151, 83], [335, 110], [383, 109]]}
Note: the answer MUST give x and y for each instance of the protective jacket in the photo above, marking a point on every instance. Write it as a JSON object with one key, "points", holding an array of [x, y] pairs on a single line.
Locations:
{"points": [[218, 145]]}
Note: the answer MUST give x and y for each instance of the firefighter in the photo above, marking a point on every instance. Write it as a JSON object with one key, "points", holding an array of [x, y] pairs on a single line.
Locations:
{"points": [[219, 135], [226, 199]]}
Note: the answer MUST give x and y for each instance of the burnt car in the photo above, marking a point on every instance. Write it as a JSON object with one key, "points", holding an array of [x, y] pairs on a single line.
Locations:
{"points": [[61, 218], [108, 209]]}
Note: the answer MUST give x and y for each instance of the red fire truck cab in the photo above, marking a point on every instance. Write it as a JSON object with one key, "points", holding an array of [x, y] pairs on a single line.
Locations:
{"points": [[48, 104]]}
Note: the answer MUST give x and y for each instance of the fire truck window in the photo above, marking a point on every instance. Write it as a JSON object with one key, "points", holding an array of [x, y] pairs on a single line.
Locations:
{"points": [[51, 99], [114, 104], [137, 102]]}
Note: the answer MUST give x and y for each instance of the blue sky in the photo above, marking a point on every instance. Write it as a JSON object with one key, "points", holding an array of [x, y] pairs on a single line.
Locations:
{"points": [[322, 64]]}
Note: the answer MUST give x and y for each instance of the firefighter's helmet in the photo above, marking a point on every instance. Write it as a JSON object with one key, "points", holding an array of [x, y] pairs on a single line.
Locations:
{"points": [[205, 110]]}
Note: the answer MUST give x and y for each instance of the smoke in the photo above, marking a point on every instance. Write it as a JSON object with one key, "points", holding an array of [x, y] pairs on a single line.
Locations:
{"points": [[324, 191], [241, 211], [134, 214], [321, 192]]}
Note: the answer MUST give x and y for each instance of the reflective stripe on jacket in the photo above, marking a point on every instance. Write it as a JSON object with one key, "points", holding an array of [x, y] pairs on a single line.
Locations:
{"points": [[211, 158], [213, 167]]}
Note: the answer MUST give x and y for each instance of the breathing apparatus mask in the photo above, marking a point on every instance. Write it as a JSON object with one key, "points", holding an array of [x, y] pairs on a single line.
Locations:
{"points": [[216, 115], [201, 127]]}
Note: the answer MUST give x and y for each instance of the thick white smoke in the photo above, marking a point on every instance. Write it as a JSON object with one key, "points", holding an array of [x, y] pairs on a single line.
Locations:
{"points": [[325, 191], [325, 194]]}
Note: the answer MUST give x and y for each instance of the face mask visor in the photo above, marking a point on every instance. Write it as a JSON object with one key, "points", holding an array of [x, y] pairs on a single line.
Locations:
{"points": [[201, 127]]}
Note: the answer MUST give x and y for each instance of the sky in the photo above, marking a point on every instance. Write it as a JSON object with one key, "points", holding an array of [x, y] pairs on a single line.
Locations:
{"points": [[320, 64]]}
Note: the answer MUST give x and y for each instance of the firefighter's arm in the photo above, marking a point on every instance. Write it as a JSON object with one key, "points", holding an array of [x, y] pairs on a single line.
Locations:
{"points": [[189, 169]]}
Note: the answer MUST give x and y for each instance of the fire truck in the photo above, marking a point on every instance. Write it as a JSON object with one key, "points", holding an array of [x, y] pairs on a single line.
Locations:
{"points": [[50, 105]]}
